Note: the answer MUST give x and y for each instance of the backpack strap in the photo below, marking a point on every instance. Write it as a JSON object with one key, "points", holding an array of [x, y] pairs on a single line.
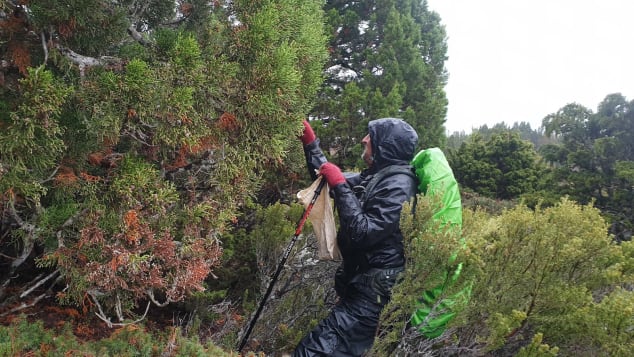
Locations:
{"points": [[389, 171]]}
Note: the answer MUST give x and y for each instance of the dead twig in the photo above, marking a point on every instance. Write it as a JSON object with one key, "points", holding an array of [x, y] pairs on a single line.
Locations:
{"points": [[25, 305], [102, 316], [150, 294], [38, 284]]}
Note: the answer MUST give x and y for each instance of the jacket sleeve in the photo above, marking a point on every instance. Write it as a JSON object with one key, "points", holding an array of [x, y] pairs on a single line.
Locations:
{"points": [[314, 158], [365, 228]]}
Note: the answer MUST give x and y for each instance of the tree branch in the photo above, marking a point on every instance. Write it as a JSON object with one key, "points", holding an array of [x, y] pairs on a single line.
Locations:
{"points": [[38, 284], [44, 47], [68, 222], [25, 305], [27, 240], [137, 36], [150, 294], [102, 316], [52, 175], [80, 60], [85, 61]]}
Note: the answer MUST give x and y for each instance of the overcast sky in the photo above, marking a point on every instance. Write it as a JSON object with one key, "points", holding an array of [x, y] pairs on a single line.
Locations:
{"points": [[520, 60]]}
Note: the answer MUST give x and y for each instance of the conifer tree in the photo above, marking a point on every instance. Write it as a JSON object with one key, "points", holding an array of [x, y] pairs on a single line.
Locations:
{"points": [[131, 132], [592, 157], [386, 59], [502, 167]]}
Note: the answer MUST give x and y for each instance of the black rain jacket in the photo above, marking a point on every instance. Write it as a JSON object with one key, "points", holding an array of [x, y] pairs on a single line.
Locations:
{"points": [[369, 235]]}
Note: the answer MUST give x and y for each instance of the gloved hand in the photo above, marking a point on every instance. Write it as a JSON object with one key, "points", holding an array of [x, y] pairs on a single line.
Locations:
{"points": [[383, 281], [341, 282], [332, 174], [309, 135]]}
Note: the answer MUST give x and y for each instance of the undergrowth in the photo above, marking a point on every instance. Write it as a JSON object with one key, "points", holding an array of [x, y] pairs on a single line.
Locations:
{"points": [[32, 338]]}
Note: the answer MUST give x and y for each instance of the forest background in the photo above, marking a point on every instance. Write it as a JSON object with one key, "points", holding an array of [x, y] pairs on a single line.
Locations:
{"points": [[149, 159]]}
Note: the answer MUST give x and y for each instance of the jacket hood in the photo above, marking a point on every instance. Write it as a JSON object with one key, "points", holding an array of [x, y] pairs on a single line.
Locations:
{"points": [[393, 142]]}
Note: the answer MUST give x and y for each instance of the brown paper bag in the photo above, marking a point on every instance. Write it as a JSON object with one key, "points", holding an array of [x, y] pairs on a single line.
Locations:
{"points": [[323, 220]]}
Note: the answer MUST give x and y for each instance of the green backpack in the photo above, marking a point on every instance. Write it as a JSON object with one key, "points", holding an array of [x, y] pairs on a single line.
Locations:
{"points": [[434, 175]]}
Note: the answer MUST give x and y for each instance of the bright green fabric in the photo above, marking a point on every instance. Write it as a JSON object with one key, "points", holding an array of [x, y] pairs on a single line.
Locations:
{"points": [[436, 177]]}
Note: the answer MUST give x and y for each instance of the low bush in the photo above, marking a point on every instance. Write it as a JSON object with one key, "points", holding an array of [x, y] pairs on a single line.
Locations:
{"points": [[548, 280]]}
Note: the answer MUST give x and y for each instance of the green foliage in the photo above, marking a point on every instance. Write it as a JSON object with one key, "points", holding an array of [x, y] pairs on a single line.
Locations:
{"points": [[291, 318], [387, 59], [237, 272], [129, 170], [165, 39], [537, 349], [31, 144], [590, 159], [24, 337], [474, 201], [503, 325], [605, 326], [431, 253], [523, 129], [139, 343], [538, 269], [140, 247], [274, 40], [186, 53], [88, 26], [272, 232], [52, 218], [503, 167], [625, 170], [251, 254], [303, 292], [545, 282], [134, 51]]}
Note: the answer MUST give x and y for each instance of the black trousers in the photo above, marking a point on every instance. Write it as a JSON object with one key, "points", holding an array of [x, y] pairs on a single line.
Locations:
{"points": [[350, 328]]}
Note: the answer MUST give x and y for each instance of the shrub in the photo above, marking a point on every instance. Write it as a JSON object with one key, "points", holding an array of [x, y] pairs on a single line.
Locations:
{"points": [[545, 280], [430, 253], [304, 290], [26, 338], [544, 266], [143, 248]]}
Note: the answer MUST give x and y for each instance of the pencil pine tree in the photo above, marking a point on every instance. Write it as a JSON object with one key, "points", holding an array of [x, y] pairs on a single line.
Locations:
{"points": [[592, 157], [386, 59], [502, 167], [132, 132]]}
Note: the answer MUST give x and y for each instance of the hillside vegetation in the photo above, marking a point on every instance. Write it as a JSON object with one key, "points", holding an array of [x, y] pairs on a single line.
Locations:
{"points": [[149, 160]]}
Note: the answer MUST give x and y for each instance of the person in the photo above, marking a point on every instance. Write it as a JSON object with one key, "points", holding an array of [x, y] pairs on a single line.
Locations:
{"points": [[369, 237]]}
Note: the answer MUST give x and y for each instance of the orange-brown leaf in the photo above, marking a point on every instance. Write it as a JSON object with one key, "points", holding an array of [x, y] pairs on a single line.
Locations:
{"points": [[131, 221], [89, 178], [66, 29], [179, 161], [20, 56], [228, 122], [131, 114], [95, 158], [65, 177], [205, 143]]}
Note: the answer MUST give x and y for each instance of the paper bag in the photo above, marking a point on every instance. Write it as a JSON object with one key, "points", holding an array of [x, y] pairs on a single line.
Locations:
{"points": [[323, 220]]}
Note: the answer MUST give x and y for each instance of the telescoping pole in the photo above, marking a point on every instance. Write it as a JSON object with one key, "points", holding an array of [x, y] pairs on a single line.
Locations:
{"points": [[287, 252]]}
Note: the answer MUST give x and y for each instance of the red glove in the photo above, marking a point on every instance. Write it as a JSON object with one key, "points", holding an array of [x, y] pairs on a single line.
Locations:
{"points": [[309, 135], [332, 174]]}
